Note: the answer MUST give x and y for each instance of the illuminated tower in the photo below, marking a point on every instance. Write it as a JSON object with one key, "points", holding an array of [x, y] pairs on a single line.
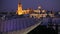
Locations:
{"points": [[19, 10], [39, 7]]}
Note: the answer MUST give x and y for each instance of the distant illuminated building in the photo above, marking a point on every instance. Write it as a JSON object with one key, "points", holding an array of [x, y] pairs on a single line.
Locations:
{"points": [[43, 11], [51, 14], [19, 10], [59, 12], [35, 13], [39, 8]]}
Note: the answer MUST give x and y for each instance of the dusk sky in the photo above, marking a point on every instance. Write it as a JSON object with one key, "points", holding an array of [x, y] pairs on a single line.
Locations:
{"points": [[8, 5]]}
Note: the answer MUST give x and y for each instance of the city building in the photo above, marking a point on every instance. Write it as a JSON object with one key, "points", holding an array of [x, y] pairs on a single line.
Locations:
{"points": [[36, 13]]}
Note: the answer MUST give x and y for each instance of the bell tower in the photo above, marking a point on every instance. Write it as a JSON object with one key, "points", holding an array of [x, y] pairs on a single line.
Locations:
{"points": [[19, 10]]}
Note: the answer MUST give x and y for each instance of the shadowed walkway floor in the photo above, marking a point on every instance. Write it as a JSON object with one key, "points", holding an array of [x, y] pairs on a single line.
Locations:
{"points": [[41, 29]]}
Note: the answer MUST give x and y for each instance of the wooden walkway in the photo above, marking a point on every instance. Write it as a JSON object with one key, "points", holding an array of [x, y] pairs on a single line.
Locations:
{"points": [[24, 31]]}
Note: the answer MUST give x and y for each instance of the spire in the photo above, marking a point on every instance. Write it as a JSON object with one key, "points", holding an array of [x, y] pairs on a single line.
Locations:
{"points": [[19, 10], [19, 1]]}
